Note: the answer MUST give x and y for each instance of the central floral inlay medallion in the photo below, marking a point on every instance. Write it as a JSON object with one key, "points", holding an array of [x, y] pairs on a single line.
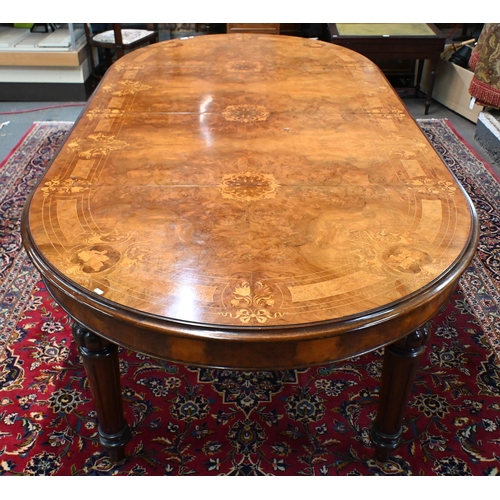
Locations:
{"points": [[248, 186], [245, 113]]}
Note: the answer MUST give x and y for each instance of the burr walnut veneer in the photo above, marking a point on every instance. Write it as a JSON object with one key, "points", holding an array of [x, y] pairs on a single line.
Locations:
{"points": [[255, 202]]}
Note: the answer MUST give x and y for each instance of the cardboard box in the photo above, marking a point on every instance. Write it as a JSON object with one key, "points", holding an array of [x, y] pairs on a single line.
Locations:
{"points": [[451, 88]]}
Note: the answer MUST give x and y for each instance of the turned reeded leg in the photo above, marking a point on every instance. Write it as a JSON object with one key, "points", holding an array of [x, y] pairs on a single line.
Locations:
{"points": [[100, 359], [401, 361]]}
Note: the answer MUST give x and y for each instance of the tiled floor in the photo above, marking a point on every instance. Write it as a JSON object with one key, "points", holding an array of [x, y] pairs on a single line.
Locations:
{"points": [[18, 117]]}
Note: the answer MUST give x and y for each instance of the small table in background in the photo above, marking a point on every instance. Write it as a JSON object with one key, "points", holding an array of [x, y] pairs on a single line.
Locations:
{"points": [[388, 41]]}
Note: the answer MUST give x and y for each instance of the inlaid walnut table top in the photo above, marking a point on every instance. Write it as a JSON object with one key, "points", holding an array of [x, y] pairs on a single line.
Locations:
{"points": [[248, 201]]}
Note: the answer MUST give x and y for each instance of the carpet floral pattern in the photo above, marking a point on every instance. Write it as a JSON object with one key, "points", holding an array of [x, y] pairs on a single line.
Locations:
{"points": [[200, 421]]}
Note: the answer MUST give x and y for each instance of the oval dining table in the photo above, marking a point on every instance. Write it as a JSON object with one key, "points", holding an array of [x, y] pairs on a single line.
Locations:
{"points": [[254, 202]]}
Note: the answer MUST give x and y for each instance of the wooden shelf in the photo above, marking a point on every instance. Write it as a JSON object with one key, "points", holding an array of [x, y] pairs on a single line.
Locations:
{"points": [[43, 58], [20, 47]]}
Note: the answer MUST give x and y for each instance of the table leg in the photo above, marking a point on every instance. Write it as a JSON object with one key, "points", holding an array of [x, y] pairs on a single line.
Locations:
{"points": [[430, 87], [401, 361], [420, 69], [100, 360]]}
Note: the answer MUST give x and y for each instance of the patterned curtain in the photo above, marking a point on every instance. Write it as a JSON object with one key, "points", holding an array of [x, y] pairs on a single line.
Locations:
{"points": [[485, 62]]}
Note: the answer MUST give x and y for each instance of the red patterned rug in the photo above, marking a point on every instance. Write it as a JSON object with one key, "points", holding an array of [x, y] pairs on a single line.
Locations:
{"points": [[194, 421]]}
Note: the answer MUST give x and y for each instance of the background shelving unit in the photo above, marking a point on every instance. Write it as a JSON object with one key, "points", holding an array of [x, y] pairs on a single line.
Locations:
{"points": [[44, 66]]}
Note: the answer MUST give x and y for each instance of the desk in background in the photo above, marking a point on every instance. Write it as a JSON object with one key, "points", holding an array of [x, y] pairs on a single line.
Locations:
{"points": [[389, 41]]}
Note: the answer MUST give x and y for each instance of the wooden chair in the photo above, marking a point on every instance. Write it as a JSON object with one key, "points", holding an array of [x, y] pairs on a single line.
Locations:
{"points": [[116, 41]]}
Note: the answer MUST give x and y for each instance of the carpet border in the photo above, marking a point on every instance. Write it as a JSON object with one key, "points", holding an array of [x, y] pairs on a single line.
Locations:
{"points": [[13, 150], [21, 272], [477, 270], [486, 164]]}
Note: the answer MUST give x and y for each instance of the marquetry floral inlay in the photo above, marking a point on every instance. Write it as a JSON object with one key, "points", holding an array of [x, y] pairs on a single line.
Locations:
{"points": [[94, 259], [125, 87], [407, 259], [103, 113], [245, 113], [428, 186], [127, 67], [102, 144], [62, 187], [248, 186], [244, 66], [394, 114], [252, 305]]}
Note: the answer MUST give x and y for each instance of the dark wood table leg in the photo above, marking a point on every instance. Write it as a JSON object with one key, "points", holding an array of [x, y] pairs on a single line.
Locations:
{"points": [[430, 87], [100, 360], [401, 361], [420, 69]]}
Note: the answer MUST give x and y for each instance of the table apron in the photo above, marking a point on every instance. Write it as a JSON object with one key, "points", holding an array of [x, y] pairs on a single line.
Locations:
{"points": [[216, 349]]}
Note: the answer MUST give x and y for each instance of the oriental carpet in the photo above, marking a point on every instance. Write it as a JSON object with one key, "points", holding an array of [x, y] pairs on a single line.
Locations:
{"points": [[197, 421]]}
